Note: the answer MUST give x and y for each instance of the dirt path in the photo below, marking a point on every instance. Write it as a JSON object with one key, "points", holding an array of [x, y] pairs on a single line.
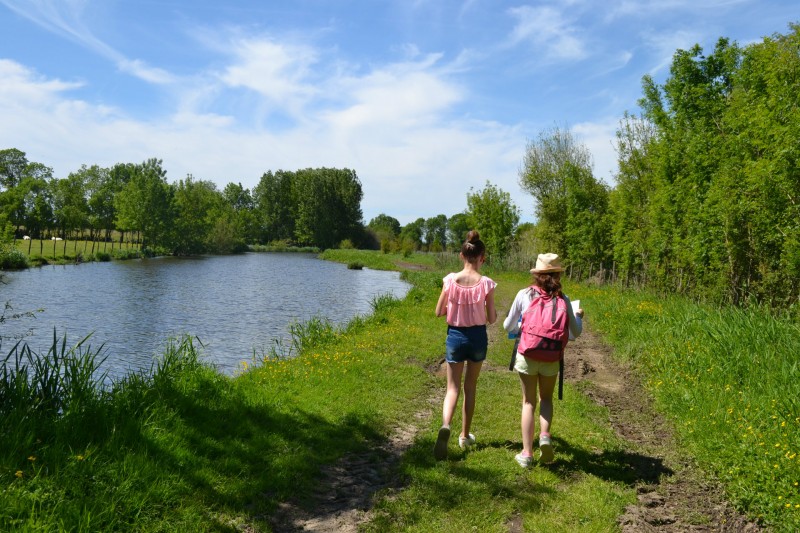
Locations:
{"points": [[344, 496], [673, 495]]}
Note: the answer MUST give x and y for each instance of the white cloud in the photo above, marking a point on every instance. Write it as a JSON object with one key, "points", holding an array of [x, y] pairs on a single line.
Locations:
{"points": [[548, 30], [395, 125], [599, 138], [21, 87], [280, 73], [65, 17]]}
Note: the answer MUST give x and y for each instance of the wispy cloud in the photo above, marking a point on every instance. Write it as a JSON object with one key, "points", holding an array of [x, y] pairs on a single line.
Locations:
{"points": [[548, 30], [664, 45], [649, 8], [66, 18], [279, 73]]}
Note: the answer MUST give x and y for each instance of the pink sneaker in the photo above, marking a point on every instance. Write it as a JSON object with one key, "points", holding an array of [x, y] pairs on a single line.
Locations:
{"points": [[525, 461]]}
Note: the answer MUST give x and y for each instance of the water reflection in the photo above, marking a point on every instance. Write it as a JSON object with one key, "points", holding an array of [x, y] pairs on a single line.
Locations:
{"points": [[233, 304]]}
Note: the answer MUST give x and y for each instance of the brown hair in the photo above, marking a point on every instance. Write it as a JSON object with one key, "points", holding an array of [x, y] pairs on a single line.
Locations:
{"points": [[548, 282], [473, 248]]}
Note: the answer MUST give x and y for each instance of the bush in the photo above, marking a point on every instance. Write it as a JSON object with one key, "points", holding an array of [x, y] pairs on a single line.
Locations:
{"points": [[126, 254], [12, 259]]}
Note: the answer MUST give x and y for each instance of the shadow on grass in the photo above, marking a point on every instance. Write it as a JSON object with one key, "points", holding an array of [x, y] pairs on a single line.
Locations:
{"points": [[197, 451], [247, 458], [620, 466]]}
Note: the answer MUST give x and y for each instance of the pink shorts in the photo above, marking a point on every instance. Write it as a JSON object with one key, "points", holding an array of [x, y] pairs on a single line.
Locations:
{"points": [[523, 365]]}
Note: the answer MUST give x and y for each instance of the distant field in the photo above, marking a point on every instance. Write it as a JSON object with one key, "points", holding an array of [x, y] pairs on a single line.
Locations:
{"points": [[69, 248]]}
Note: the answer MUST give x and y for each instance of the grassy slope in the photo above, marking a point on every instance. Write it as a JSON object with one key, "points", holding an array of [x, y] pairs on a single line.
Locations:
{"points": [[730, 378]]}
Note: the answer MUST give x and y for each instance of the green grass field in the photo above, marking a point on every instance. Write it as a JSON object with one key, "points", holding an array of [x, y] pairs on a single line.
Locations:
{"points": [[730, 378], [69, 248]]}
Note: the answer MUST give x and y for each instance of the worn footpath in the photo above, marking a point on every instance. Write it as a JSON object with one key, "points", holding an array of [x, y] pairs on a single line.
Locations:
{"points": [[673, 494]]}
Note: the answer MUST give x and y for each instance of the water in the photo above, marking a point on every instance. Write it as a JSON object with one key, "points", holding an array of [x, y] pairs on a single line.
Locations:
{"points": [[235, 305]]}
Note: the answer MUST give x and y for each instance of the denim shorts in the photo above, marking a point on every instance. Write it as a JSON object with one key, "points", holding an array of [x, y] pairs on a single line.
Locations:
{"points": [[466, 344]]}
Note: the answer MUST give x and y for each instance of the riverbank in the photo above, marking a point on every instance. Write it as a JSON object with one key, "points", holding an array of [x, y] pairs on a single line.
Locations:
{"points": [[184, 447]]}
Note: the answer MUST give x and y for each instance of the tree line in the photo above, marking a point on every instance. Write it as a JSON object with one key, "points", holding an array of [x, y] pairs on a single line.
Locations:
{"points": [[707, 195], [306, 208], [310, 207]]}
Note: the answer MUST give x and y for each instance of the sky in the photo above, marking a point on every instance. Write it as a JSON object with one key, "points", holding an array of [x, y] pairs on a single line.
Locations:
{"points": [[427, 100]]}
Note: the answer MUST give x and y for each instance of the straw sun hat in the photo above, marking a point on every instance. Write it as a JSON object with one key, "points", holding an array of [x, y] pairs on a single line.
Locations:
{"points": [[547, 263]]}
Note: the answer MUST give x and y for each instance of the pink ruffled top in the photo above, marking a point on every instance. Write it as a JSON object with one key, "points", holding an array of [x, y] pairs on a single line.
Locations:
{"points": [[466, 306]]}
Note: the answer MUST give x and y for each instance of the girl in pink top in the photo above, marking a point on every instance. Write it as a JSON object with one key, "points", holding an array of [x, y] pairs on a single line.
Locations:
{"points": [[467, 299]]}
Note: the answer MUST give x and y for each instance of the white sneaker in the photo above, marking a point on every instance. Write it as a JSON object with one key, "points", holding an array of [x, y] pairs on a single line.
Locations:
{"points": [[466, 442], [525, 461], [546, 449]]}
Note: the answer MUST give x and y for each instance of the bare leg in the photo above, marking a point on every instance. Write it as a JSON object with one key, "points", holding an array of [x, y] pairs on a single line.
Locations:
{"points": [[546, 386], [470, 389], [529, 384], [454, 371]]}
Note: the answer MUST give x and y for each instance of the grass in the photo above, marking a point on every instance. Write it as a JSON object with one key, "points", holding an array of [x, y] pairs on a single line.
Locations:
{"points": [[380, 261], [730, 378], [182, 447], [71, 251]]}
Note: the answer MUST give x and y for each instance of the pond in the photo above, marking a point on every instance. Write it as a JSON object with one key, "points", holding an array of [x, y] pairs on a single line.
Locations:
{"points": [[236, 306]]}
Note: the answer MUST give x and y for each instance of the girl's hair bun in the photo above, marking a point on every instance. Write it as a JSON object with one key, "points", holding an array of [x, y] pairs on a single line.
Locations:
{"points": [[473, 247]]}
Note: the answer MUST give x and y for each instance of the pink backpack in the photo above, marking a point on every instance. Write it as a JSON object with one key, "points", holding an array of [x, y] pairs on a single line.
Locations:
{"points": [[544, 332]]}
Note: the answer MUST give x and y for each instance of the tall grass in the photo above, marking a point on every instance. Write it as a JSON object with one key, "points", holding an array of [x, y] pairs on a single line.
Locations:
{"points": [[731, 380], [61, 380]]}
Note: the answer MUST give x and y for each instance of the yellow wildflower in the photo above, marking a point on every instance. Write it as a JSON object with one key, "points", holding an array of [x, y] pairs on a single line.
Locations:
{"points": [[18, 473]]}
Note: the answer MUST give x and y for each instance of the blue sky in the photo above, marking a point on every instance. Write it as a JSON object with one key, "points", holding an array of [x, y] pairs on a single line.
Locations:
{"points": [[424, 99]]}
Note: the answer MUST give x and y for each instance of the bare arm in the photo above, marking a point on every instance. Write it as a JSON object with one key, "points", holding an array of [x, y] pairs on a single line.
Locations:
{"points": [[491, 312], [441, 305]]}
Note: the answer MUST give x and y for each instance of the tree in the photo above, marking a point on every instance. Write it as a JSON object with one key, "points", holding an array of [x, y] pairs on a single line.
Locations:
{"points": [[385, 223], [275, 206], [548, 163], [13, 164], [495, 216], [412, 233], [457, 228], [244, 216], [70, 208], [38, 209], [328, 206], [386, 231], [198, 209], [436, 233], [630, 201], [145, 204]]}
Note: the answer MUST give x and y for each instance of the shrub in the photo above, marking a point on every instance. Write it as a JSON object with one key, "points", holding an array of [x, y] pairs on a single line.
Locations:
{"points": [[12, 259]]}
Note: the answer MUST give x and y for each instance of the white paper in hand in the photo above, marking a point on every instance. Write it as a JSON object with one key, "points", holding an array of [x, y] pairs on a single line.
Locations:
{"points": [[576, 304]]}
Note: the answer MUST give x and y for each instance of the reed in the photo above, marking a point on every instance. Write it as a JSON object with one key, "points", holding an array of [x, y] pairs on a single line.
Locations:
{"points": [[62, 379]]}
